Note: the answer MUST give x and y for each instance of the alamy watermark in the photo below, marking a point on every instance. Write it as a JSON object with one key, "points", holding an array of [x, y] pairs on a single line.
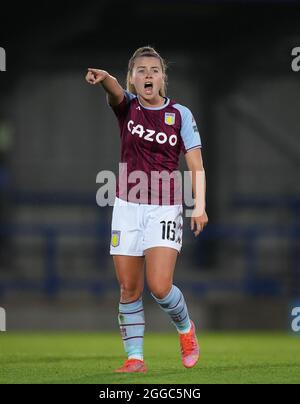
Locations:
{"points": [[295, 318], [2, 319], [2, 60], [296, 60], [157, 188]]}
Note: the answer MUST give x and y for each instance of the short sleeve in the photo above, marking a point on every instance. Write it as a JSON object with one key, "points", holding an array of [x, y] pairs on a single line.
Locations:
{"points": [[189, 131], [121, 109]]}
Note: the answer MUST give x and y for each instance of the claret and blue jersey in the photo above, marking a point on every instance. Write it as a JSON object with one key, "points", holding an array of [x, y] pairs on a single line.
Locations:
{"points": [[152, 138]]}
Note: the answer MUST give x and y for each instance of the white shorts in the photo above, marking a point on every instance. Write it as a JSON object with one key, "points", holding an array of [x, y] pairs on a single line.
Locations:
{"points": [[136, 227]]}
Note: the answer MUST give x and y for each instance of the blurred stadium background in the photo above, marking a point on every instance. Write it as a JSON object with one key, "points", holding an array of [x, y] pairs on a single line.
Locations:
{"points": [[231, 65]]}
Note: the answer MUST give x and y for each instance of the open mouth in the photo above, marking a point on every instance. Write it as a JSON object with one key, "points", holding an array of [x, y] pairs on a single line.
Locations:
{"points": [[148, 86]]}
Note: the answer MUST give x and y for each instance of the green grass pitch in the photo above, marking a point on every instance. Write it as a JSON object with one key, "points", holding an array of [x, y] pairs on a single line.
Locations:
{"points": [[91, 358]]}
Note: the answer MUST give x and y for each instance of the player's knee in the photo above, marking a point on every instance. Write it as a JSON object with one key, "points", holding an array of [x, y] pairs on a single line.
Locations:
{"points": [[159, 291], [129, 293]]}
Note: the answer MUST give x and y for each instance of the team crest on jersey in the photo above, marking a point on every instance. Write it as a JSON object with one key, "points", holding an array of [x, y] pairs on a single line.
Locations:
{"points": [[169, 118], [115, 238]]}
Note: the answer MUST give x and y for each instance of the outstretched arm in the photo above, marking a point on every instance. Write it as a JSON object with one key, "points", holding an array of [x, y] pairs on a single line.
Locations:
{"points": [[115, 92], [195, 165]]}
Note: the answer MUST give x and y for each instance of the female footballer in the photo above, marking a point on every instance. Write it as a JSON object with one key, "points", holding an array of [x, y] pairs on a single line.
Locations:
{"points": [[147, 224]]}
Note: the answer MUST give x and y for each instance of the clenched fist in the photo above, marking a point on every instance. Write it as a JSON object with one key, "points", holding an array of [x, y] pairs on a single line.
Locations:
{"points": [[95, 76]]}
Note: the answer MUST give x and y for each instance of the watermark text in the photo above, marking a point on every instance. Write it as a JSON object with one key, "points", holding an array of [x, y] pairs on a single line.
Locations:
{"points": [[296, 60], [2, 60], [2, 319]]}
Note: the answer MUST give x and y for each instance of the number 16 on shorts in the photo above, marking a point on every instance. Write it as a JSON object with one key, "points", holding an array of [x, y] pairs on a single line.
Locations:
{"points": [[168, 230]]}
